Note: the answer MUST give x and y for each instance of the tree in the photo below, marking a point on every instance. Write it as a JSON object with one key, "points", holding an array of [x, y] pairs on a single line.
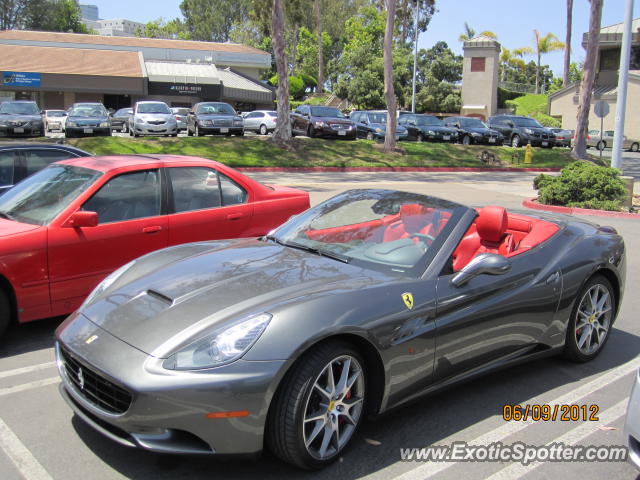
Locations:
{"points": [[320, 45], [174, 29], [575, 72], [543, 45], [588, 80], [405, 18], [389, 93], [212, 20], [512, 59], [470, 33], [567, 44], [282, 133], [439, 72], [11, 13]]}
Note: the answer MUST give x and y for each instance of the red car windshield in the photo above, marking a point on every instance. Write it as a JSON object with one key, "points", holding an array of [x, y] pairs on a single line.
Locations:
{"points": [[39, 198]]}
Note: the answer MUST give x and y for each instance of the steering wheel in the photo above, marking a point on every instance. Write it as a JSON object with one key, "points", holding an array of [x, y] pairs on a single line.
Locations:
{"points": [[425, 237]]}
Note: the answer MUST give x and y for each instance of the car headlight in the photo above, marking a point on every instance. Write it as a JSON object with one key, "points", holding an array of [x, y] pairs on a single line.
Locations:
{"points": [[4, 124], [319, 124], [528, 130], [431, 132], [106, 283], [139, 120], [378, 130], [104, 124], [475, 134], [221, 347], [238, 122], [71, 124]]}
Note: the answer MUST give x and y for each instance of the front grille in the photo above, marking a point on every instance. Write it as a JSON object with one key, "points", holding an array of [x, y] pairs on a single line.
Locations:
{"points": [[222, 122], [340, 126], [156, 122], [95, 388]]}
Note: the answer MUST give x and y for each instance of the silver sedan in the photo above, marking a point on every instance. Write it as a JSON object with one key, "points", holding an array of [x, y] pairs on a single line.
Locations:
{"points": [[260, 121]]}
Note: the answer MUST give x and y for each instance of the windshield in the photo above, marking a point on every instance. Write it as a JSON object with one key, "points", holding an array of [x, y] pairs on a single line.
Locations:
{"points": [[427, 120], [526, 122], [123, 112], [41, 197], [55, 113], [379, 229], [377, 117], [326, 112], [472, 123], [153, 108], [93, 111], [11, 108], [213, 108]]}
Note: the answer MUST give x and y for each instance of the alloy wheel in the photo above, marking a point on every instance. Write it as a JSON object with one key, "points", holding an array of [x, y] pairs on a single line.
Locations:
{"points": [[515, 141], [593, 319], [333, 407], [263, 129]]}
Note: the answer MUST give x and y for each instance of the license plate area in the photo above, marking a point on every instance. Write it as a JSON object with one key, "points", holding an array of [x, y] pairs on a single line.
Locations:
{"points": [[88, 130], [224, 130], [18, 130]]}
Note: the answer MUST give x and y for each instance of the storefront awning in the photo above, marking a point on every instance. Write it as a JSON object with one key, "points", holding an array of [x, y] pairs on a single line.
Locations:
{"points": [[182, 72], [238, 87]]}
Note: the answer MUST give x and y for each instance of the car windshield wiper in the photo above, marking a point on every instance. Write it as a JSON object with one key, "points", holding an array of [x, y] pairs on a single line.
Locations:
{"points": [[7, 216], [306, 248]]}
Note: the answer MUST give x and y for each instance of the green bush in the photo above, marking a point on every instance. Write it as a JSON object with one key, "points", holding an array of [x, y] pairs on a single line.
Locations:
{"points": [[583, 185], [504, 95], [547, 120]]}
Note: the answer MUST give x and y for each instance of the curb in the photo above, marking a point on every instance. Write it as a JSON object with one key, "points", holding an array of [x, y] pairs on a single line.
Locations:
{"points": [[533, 203], [395, 169]]}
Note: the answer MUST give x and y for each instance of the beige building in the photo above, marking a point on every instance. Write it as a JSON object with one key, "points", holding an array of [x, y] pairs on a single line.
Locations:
{"points": [[564, 103], [480, 77]]}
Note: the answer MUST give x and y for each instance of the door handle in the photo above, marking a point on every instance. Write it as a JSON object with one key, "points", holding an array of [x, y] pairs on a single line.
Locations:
{"points": [[154, 229], [234, 216], [553, 278]]}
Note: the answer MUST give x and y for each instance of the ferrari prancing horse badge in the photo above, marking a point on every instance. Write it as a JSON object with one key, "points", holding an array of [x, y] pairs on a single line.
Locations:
{"points": [[408, 300]]}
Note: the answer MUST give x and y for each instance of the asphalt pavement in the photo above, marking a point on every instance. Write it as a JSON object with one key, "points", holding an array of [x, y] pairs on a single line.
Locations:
{"points": [[41, 439]]}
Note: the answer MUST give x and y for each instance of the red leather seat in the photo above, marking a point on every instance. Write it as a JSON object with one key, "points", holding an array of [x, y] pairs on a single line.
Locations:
{"points": [[414, 218], [490, 237]]}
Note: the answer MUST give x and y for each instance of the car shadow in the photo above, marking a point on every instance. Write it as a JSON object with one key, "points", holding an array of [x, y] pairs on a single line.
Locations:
{"points": [[377, 444], [29, 337]]}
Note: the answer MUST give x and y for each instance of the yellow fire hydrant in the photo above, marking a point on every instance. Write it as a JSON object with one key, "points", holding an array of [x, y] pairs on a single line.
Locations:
{"points": [[528, 154]]}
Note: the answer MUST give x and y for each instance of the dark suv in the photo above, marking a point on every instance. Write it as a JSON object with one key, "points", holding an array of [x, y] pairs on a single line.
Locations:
{"points": [[320, 121], [427, 127], [20, 118], [518, 131], [473, 130]]}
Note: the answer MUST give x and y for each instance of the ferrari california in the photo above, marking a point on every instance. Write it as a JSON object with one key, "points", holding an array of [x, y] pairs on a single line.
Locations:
{"points": [[357, 306], [65, 228]]}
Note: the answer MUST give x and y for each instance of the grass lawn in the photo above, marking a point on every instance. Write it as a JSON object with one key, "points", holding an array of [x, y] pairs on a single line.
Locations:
{"points": [[530, 104], [306, 152]]}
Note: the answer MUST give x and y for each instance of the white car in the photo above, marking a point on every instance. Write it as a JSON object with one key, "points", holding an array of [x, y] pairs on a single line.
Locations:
{"points": [[152, 117], [593, 140], [632, 424], [260, 121], [55, 120]]}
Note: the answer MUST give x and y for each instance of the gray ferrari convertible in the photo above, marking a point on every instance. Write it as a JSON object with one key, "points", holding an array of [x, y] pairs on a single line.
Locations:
{"points": [[356, 306]]}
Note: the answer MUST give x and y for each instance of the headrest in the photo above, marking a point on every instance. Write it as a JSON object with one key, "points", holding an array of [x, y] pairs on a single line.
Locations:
{"points": [[413, 216], [492, 223]]}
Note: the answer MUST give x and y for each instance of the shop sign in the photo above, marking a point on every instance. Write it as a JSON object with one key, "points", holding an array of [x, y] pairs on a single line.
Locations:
{"points": [[21, 79]]}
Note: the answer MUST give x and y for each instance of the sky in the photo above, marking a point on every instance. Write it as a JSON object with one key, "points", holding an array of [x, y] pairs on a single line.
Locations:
{"points": [[513, 21]]}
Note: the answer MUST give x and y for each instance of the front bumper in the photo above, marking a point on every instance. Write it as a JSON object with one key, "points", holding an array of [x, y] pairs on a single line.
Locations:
{"points": [[328, 132], [380, 136], [632, 424], [488, 140], [169, 410], [26, 131], [149, 129], [87, 131], [440, 137], [220, 130]]}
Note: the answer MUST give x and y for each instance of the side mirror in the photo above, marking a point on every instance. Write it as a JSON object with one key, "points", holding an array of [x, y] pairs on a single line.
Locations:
{"points": [[81, 219], [485, 263]]}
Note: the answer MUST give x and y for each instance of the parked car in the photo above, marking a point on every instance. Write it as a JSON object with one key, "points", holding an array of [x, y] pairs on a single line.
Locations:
{"points": [[606, 141], [54, 120], [427, 127], [290, 341], [120, 119], [632, 424], [19, 160], [563, 137], [260, 121], [320, 121], [69, 225], [372, 125], [88, 119], [151, 117], [214, 118], [181, 114], [474, 131], [518, 131], [21, 118]]}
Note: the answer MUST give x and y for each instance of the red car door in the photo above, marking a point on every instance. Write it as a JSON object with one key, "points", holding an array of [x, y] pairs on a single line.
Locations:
{"points": [[130, 224], [207, 205]]}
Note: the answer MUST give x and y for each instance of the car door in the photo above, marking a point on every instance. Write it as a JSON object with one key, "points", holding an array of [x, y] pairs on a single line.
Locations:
{"points": [[130, 224], [496, 315], [252, 121], [206, 205]]}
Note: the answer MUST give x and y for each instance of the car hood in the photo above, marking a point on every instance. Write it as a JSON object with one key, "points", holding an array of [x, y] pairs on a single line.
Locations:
{"points": [[22, 118], [181, 293], [154, 116], [89, 119], [9, 227]]}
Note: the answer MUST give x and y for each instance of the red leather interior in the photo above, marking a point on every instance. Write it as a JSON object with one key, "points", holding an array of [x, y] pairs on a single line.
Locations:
{"points": [[516, 233], [414, 218], [371, 231]]}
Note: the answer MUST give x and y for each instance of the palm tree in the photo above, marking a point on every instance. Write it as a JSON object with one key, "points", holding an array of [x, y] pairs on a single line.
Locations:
{"points": [[567, 42], [470, 33], [548, 43], [513, 58], [389, 93], [588, 80], [282, 133]]}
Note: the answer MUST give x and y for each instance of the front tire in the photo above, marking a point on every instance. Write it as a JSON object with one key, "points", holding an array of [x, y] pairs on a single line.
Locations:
{"points": [[466, 140], [516, 142], [369, 136], [591, 319], [318, 407], [419, 138], [263, 129], [311, 133]]}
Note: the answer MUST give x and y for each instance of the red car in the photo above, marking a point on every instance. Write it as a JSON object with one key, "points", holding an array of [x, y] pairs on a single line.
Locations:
{"points": [[65, 228]]}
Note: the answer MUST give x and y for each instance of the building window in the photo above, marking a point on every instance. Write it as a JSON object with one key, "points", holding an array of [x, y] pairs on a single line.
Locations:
{"points": [[478, 64], [634, 63], [610, 59]]}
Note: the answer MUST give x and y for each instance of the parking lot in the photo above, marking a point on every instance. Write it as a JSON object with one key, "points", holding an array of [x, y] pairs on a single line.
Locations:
{"points": [[41, 439]]}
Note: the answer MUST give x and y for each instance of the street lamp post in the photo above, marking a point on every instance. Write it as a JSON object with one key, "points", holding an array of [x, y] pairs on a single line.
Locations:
{"points": [[415, 56]]}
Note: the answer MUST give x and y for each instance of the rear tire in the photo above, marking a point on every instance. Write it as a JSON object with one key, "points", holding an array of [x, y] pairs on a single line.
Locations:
{"points": [[5, 312], [263, 129], [601, 145], [591, 319], [635, 147], [317, 387]]}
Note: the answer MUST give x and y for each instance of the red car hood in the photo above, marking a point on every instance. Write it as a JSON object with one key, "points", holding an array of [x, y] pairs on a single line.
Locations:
{"points": [[9, 227]]}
